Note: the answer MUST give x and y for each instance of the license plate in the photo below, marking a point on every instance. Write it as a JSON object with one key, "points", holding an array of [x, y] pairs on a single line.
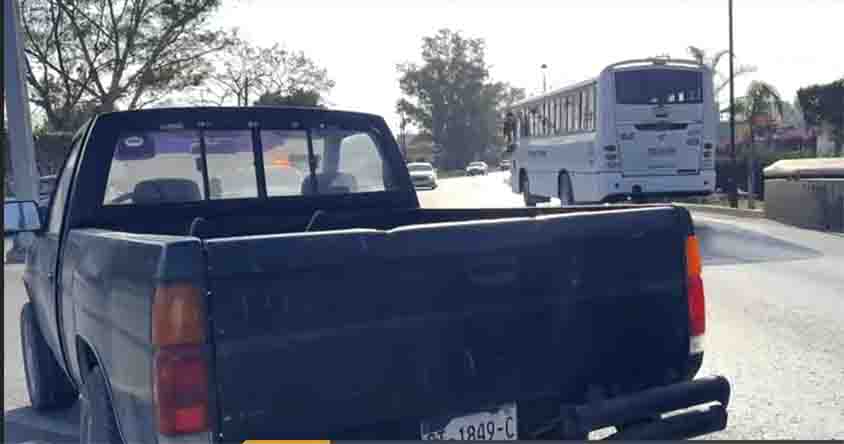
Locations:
{"points": [[497, 424], [662, 151]]}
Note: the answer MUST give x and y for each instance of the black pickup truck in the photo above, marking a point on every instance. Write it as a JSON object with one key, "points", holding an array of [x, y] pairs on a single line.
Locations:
{"points": [[224, 274]]}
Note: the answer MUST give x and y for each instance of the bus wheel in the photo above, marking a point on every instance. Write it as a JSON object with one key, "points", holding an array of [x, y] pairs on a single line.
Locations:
{"points": [[525, 186], [564, 189]]}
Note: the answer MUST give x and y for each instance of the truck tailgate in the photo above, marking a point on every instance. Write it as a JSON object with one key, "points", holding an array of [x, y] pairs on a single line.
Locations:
{"points": [[317, 333]]}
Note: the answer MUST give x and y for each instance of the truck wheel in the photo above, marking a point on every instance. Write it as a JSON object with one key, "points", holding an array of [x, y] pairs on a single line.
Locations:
{"points": [[564, 189], [96, 417], [46, 382], [525, 186]]}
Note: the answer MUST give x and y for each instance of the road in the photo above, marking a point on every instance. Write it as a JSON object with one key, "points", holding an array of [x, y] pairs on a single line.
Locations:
{"points": [[775, 312]]}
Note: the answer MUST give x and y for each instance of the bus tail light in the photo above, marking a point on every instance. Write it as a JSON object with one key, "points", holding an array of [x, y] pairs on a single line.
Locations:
{"points": [[708, 160], [696, 300], [612, 158], [180, 370]]}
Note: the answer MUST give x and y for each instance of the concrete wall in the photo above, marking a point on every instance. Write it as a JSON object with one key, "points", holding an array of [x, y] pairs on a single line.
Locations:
{"points": [[809, 203]]}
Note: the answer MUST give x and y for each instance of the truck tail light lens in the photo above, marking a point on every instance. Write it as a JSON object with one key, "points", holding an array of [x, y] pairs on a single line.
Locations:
{"points": [[696, 301], [181, 390], [178, 315], [180, 373]]}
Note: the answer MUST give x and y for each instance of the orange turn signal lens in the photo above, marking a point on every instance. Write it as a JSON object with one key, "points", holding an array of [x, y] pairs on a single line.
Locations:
{"points": [[178, 315], [693, 261]]}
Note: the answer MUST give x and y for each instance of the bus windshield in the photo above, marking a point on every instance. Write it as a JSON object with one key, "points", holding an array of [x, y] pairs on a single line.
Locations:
{"points": [[658, 87]]}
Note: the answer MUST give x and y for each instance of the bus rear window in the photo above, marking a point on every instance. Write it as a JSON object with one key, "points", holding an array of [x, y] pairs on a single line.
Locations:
{"points": [[658, 87]]}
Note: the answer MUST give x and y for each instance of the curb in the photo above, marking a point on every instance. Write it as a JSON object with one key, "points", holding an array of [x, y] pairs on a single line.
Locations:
{"points": [[737, 212]]}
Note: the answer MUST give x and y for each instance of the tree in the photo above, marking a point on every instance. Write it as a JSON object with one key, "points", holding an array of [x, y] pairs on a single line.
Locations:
{"points": [[721, 80], [450, 96], [760, 105], [825, 103], [295, 98], [792, 114], [274, 74], [100, 55]]}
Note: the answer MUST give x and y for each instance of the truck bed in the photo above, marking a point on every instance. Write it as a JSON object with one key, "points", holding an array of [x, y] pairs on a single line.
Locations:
{"points": [[365, 331]]}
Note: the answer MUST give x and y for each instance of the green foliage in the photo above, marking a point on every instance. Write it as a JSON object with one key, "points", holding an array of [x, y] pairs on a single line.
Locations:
{"points": [[825, 103], [722, 80], [296, 98], [761, 99], [451, 97], [275, 75], [87, 56]]}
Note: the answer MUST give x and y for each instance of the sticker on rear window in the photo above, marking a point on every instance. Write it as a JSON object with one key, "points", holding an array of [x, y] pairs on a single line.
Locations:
{"points": [[133, 141]]}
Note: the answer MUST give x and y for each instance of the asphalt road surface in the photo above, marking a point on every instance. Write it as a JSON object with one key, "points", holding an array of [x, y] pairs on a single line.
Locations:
{"points": [[775, 324]]}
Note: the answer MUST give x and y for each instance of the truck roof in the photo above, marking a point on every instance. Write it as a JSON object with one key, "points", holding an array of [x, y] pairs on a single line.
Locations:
{"points": [[238, 108]]}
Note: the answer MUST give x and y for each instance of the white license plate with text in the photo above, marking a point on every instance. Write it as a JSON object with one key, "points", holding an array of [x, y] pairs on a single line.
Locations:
{"points": [[496, 424]]}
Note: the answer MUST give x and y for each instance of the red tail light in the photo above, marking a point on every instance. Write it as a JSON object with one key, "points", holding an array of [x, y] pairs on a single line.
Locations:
{"points": [[180, 370], [181, 390], [697, 303], [697, 306]]}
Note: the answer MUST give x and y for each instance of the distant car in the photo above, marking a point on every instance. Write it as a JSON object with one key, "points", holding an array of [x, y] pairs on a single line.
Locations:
{"points": [[504, 165], [476, 169], [422, 174]]}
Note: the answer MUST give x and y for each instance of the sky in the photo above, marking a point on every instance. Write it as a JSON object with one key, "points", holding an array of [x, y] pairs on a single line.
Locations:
{"points": [[793, 43]]}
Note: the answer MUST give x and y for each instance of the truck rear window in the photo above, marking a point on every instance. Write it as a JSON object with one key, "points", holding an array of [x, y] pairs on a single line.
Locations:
{"points": [[168, 166]]}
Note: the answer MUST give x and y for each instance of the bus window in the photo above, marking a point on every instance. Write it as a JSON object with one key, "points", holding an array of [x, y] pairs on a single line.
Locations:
{"points": [[556, 115], [587, 109], [656, 86], [560, 115], [565, 115], [577, 112]]}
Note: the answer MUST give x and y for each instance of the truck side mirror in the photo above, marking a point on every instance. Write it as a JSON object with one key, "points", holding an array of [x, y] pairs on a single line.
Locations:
{"points": [[21, 216]]}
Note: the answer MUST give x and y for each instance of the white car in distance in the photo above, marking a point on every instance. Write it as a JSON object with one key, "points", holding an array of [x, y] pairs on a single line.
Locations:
{"points": [[422, 174], [476, 168]]}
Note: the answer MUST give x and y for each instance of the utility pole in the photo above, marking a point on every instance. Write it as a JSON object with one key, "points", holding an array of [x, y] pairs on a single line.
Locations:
{"points": [[403, 134], [544, 86], [21, 149], [732, 180]]}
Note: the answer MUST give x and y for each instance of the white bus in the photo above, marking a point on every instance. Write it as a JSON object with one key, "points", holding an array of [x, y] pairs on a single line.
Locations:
{"points": [[641, 129]]}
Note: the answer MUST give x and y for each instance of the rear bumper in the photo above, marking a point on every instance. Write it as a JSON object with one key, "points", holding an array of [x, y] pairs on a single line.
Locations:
{"points": [[617, 187], [659, 413], [424, 183]]}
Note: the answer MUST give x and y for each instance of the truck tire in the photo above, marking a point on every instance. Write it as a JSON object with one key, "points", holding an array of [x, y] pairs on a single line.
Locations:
{"points": [[524, 185], [564, 190], [96, 416], [47, 384]]}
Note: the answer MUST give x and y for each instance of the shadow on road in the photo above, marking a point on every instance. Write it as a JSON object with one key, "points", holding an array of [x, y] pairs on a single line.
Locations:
{"points": [[725, 244], [25, 425]]}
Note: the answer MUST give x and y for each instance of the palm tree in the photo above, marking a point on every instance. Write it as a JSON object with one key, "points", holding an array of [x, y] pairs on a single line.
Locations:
{"points": [[762, 101], [721, 80]]}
